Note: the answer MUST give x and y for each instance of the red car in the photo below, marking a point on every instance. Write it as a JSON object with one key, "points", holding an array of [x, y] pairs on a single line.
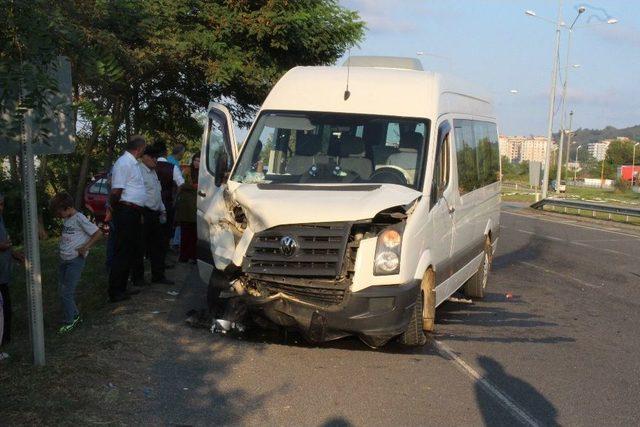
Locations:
{"points": [[96, 194]]}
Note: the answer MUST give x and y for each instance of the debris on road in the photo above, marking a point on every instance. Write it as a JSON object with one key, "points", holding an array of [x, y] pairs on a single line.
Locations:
{"points": [[173, 293], [200, 319], [461, 300]]}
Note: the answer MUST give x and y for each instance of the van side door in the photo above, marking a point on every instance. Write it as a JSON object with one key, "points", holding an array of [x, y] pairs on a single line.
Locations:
{"points": [[467, 242], [441, 210], [218, 153]]}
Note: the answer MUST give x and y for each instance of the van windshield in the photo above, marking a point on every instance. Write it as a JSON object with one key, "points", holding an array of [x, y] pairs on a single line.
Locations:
{"points": [[330, 148]]}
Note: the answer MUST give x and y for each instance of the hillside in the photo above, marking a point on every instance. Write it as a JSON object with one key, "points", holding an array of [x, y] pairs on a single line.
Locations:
{"points": [[610, 132]]}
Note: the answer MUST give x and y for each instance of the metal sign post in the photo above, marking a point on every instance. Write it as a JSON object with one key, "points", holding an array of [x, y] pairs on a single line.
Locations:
{"points": [[32, 246], [60, 140]]}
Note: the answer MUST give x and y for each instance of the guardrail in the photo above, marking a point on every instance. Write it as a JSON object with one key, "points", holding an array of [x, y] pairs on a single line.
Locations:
{"points": [[588, 206]]}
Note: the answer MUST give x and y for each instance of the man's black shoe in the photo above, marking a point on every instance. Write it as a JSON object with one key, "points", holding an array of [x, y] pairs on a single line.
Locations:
{"points": [[163, 281], [130, 292], [119, 298]]}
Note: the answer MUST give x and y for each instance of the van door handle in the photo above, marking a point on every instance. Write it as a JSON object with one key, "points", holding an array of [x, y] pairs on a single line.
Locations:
{"points": [[202, 193]]}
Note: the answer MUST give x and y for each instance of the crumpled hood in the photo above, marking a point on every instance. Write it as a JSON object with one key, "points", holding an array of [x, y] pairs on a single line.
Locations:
{"points": [[268, 206]]}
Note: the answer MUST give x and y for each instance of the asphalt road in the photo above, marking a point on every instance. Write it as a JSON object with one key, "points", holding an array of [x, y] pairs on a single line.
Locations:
{"points": [[555, 342]]}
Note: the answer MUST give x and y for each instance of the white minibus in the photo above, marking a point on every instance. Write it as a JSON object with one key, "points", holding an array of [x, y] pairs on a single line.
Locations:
{"points": [[363, 197]]}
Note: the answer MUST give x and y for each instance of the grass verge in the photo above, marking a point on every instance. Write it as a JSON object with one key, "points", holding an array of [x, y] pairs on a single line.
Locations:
{"points": [[98, 373]]}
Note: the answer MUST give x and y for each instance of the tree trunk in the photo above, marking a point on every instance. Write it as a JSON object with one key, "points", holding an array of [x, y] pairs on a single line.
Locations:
{"points": [[14, 170], [116, 116], [41, 184], [84, 167]]}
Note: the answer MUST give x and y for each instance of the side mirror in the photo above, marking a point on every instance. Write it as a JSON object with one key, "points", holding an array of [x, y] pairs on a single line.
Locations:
{"points": [[222, 169]]}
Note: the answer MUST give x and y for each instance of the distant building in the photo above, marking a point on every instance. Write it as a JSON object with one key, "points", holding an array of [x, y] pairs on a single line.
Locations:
{"points": [[510, 147], [524, 148], [534, 149], [599, 149]]}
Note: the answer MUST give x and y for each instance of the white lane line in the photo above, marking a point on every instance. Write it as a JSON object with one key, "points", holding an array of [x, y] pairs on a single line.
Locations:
{"points": [[573, 242], [494, 391], [564, 276], [571, 224]]}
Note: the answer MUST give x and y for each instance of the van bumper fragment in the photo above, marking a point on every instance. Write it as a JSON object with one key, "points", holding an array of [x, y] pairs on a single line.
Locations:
{"points": [[375, 314]]}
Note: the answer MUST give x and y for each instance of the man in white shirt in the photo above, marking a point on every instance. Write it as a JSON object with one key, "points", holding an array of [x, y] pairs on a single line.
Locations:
{"points": [[127, 199], [155, 215]]}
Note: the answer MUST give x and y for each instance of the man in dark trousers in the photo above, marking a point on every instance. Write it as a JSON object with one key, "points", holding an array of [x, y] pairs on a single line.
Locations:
{"points": [[170, 180], [155, 216], [127, 201]]}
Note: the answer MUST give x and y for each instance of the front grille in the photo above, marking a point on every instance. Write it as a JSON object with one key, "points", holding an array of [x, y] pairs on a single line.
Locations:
{"points": [[319, 253], [323, 296]]}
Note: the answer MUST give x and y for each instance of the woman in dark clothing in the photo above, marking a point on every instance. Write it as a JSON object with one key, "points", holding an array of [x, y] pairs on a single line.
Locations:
{"points": [[186, 212]]}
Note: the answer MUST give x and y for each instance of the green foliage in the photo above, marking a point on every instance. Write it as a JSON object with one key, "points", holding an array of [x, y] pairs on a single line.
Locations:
{"points": [[587, 136], [152, 66]]}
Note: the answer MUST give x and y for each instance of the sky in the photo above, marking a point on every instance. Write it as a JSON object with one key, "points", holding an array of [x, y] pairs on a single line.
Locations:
{"points": [[493, 43]]}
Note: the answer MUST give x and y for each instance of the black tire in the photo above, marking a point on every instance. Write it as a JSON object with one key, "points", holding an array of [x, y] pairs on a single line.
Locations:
{"points": [[477, 284], [414, 335]]}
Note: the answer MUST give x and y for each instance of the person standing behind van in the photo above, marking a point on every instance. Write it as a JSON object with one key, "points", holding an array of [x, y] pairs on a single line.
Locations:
{"points": [[171, 179], [127, 200], [176, 155], [186, 212]]}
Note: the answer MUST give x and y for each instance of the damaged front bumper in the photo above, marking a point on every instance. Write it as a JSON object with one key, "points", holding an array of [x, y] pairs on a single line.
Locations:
{"points": [[375, 314]]}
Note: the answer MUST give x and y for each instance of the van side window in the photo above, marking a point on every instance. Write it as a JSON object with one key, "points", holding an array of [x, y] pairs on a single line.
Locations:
{"points": [[442, 169], [477, 154]]}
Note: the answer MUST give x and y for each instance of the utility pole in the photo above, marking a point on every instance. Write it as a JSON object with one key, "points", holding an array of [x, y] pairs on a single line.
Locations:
{"points": [[569, 135], [552, 101]]}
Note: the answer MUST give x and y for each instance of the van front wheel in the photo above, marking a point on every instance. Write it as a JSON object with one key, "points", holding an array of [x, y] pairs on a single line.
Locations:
{"points": [[476, 285], [414, 335]]}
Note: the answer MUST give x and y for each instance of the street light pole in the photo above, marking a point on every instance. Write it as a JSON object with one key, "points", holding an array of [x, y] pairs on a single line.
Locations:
{"points": [[569, 135], [575, 170], [552, 101], [564, 99]]}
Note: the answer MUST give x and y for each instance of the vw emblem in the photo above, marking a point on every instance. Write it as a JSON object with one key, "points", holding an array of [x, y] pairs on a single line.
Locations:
{"points": [[288, 245]]}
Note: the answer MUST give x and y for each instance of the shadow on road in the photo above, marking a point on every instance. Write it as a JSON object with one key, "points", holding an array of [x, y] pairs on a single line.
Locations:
{"points": [[533, 402]]}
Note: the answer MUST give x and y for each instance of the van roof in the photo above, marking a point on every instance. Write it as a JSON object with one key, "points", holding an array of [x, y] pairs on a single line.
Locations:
{"points": [[394, 62], [374, 90]]}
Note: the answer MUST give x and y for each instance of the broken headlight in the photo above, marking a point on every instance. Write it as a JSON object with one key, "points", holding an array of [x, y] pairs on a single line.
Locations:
{"points": [[388, 248]]}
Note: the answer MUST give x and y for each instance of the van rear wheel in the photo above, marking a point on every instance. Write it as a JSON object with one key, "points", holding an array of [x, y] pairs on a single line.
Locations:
{"points": [[476, 285], [414, 335]]}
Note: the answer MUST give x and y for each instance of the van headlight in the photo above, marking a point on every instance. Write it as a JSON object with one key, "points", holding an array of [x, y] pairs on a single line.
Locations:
{"points": [[387, 259]]}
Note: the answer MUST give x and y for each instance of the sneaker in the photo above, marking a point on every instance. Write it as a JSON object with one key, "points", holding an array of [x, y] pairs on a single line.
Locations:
{"points": [[70, 326], [4, 356]]}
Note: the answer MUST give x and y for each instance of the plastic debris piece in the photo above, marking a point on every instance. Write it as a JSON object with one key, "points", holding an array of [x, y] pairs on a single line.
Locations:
{"points": [[155, 312], [223, 326], [461, 300], [173, 293]]}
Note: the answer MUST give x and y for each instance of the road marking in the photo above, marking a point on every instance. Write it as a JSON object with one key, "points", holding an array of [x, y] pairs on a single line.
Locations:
{"points": [[573, 225], [494, 391], [574, 242], [564, 276]]}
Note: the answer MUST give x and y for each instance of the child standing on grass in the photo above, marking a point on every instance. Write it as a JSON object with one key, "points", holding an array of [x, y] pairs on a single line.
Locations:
{"points": [[78, 236]]}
